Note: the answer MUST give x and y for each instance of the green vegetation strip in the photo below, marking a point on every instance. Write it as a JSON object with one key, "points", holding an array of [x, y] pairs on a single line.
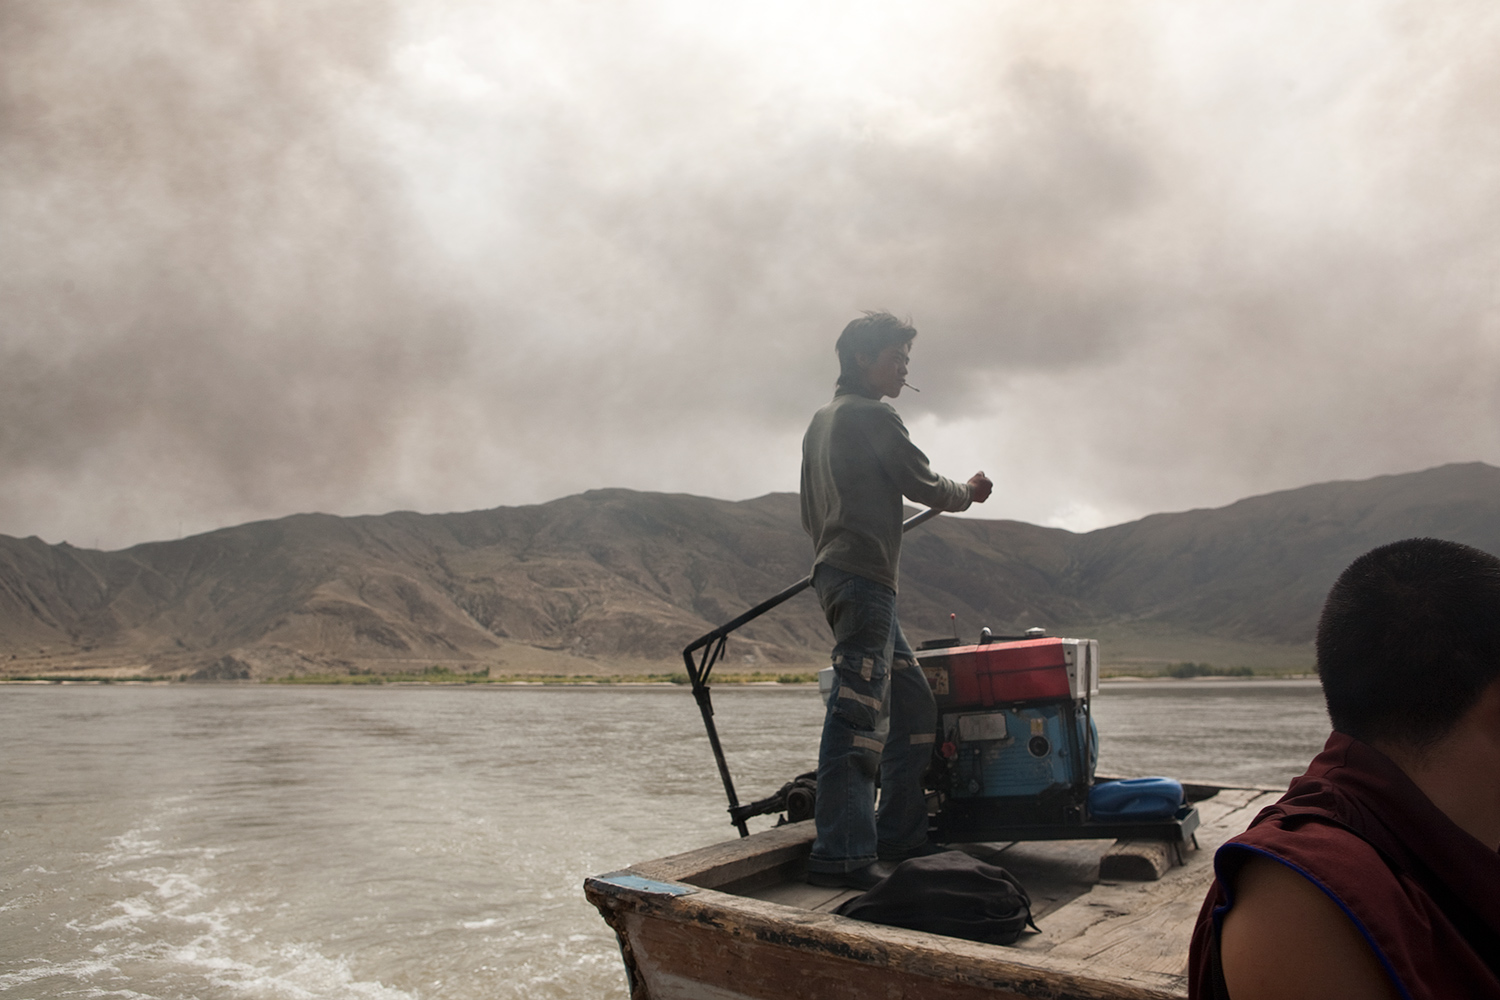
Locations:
{"points": [[1207, 670]]}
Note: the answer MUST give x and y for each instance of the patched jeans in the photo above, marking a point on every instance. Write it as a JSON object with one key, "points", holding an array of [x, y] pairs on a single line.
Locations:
{"points": [[881, 719]]}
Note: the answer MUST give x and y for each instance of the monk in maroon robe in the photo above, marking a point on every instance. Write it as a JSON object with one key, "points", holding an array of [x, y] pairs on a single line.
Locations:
{"points": [[1377, 874]]}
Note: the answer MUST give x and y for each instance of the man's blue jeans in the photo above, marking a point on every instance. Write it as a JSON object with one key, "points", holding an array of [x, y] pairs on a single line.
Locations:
{"points": [[881, 719]]}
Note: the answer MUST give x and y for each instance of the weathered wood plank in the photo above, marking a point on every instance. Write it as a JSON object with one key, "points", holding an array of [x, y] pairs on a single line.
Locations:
{"points": [[1147, 927], [1136, 860], [1107, 903], [797, 893], [781, 850], [740, 947], [1054, 872], [685, 962]]}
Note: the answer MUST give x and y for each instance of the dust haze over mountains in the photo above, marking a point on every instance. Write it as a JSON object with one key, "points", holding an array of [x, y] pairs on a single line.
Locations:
{"points": [[352, 257]]}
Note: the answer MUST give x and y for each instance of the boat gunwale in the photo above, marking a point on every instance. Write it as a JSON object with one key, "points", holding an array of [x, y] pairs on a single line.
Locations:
{"points": [[712, 872]]}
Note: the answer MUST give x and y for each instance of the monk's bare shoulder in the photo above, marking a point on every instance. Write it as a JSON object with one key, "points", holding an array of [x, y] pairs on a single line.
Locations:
{"points": [[1285, 938]]}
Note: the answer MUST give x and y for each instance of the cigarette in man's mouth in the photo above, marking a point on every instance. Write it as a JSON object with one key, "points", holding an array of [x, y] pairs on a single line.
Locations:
{"points": [[910, 386]]}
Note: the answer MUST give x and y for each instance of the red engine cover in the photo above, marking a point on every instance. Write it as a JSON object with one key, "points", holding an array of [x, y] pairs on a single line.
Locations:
{"points": [[997, 673]]}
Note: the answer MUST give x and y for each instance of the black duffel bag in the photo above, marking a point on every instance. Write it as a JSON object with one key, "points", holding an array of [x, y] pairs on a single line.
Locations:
{"points": [[949, 893]]}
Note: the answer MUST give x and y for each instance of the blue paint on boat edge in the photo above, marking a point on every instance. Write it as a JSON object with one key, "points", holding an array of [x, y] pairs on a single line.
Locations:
{"points": [[629, 880]]}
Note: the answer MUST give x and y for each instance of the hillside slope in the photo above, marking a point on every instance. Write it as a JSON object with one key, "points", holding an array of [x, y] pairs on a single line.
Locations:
{"points": [[610, 579]]}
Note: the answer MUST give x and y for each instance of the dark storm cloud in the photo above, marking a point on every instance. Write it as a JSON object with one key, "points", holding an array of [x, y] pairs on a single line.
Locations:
{"points": [[277, 256], [727, 273], [207, 279]]}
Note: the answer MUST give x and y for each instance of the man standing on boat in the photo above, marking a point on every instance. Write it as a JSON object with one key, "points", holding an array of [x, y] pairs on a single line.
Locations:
{"points": [[1376, 875], [857, 464]]}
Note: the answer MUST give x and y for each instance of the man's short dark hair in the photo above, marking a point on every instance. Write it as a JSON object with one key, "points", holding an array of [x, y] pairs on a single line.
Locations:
{"points": [[869, 335], [1409, 639]]}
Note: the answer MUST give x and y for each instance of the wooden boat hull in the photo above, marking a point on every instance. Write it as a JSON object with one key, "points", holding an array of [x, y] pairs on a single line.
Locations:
{"points": [[710, 925]]}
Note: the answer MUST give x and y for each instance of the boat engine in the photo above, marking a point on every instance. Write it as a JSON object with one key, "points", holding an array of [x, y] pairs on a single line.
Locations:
{"points": [[1016, 747], [1016, 743]]}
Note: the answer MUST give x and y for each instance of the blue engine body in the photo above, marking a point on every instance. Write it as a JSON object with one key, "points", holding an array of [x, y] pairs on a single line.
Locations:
{"points": [[1022, 750]]}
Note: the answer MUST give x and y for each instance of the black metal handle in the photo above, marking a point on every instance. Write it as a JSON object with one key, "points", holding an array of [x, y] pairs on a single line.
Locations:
{"points": [[712, 645]]}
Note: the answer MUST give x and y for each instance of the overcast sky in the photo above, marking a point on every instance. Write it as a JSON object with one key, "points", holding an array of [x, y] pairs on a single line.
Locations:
{"points": [[288, 255]]}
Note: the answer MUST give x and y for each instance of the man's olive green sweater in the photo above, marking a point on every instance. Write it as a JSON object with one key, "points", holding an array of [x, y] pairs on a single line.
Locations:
{"points": [[857, 464]]}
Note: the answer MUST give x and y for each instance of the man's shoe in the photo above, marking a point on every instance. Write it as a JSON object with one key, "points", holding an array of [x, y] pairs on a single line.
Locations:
{"points": [[864, 879], [925, 849]]}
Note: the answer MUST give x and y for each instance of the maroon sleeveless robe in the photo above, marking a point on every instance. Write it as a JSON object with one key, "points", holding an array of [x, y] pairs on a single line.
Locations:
{"points": [[1424, 893]]}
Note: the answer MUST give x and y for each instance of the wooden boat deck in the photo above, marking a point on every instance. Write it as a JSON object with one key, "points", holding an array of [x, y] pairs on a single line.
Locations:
{"points": [[736, 921]]}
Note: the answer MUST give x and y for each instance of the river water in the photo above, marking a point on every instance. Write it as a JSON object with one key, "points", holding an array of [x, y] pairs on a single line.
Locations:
{"points": [[288, 843]]}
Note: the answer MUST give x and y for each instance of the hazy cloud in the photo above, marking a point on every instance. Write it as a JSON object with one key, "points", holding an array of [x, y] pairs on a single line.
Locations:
{"points": [[353, 257]]}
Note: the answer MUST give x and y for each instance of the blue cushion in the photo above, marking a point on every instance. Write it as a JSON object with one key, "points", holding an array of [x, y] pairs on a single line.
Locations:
{"points": [[1135, 798]]}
